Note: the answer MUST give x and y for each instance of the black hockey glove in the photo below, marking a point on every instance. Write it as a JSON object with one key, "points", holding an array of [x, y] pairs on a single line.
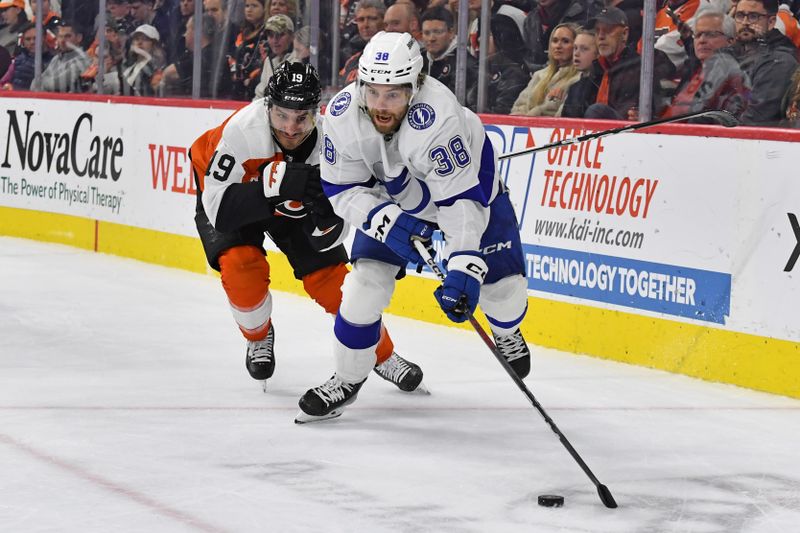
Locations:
{"points": [[290, 181], [325, 233], [319, 205]]}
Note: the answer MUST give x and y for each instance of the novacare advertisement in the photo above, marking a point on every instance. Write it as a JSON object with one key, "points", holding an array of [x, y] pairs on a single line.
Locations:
{"points": [[112, 162]]}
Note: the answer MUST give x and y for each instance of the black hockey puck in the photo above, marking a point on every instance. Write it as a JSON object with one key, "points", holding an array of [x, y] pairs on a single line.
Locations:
{"points": [[551, 500]]}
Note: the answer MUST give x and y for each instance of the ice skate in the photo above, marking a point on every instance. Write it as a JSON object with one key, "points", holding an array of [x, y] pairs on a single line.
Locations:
{"points": [[516, 352], [260, 358], [407, 376], [327, 401]]}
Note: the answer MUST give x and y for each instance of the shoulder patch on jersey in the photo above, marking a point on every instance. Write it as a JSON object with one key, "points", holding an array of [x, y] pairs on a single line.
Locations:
{"points": [[421, 116], [340, 104]]}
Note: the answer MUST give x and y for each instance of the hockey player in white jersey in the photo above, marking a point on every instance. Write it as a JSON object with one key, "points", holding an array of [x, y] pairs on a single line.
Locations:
{"points": [[400, 158]]}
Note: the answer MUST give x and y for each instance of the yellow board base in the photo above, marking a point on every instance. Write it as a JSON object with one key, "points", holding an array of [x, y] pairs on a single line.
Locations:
{"points": [[759, 363]]}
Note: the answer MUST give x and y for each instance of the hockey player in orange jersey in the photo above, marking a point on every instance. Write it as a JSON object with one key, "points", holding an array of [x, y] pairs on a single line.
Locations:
{"points": [[258, 173]]}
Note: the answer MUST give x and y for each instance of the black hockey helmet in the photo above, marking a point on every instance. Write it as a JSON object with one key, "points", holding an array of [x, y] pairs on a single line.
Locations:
{"points": [[294, 86]]}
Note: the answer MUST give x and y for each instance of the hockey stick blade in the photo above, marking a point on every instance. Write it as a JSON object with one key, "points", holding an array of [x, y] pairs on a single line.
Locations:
{"points": [[723, 118], [602, 490], [606, 497]]}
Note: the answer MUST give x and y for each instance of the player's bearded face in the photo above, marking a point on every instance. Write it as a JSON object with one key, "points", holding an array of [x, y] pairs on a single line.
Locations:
{"points": [[386, 105], [291, 126]]}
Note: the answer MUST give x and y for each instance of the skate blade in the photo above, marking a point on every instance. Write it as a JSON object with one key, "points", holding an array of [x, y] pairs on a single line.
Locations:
{"points": [[421, 390], [264, 386], [305, 418]]}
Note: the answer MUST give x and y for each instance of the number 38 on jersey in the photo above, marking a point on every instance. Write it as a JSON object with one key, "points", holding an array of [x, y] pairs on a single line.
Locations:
{"points": [[450, 156]]}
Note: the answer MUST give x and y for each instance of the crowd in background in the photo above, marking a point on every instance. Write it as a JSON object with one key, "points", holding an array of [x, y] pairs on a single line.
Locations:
{"points": [[570, 58]]}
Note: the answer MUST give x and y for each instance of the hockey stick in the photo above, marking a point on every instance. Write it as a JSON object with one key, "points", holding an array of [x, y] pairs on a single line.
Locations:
{"points": [[722, 117], [602, 490]]}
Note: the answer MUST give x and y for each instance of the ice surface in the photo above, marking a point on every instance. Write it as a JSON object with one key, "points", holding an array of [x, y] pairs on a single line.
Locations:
{"points": [[125, 406]]}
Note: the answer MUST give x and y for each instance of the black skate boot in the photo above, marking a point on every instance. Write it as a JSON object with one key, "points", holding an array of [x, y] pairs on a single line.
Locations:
{"points": [[516, 352], [260, 358], [407, 376], [327, 401]]}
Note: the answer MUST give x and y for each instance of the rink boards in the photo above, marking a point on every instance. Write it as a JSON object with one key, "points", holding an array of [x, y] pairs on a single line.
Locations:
{"points": [[674, 250]]}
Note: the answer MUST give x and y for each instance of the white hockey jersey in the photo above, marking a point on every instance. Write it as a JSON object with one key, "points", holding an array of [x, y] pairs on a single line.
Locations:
{"points": [[233, 153], [439, 166]]}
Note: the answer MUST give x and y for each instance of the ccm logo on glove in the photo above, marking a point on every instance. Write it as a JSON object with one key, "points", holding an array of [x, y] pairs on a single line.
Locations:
{"points": [[380, 231], [459, 294], [387, 223]]}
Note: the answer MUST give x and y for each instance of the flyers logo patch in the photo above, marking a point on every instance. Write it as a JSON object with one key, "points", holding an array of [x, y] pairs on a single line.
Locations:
{"points": [[291, 209]]}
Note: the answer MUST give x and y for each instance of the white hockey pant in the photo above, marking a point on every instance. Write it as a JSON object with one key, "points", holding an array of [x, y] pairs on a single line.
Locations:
{"points": [[505, 301], [366, 292]]}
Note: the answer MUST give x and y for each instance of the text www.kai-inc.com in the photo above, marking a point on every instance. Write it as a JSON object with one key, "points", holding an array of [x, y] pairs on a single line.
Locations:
{"points": [[583, 230]]}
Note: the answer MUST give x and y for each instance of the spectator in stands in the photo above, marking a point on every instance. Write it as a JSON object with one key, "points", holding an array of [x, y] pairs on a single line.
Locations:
{"points": [[791, 102], [347, 23], [369, 20], [120, 12], [674, 23], [618, 87], [280, 39], [14, 18], [51, 22], [508, 23], [63, 73], [112, 77], [788, 25], [711, 76], [301, 47], [546, 15], [439, 34], [474, 9], [117, 43], [225, 38], [681, 10], [218, 9], [144, 12], [547, 89], [583, 92], [185, 12], [402, 17], [283, 7], [673, 26], [633, 10], [177, 77], [224, 43], [246, 61], [144, 63], [766, 56], [19, 75], [584, 51], [507, 75], [786, 21]]}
